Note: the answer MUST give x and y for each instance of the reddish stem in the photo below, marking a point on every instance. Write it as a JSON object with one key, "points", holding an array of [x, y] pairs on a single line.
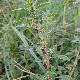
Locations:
{"points": [[47, 63], [75, 63]]}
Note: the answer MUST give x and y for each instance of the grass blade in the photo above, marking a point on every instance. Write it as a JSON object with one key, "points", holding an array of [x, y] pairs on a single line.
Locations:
{"points": [[32, 52]]}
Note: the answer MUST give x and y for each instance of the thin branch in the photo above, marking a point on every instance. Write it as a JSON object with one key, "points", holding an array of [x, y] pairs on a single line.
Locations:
{"points": [[74, 65], [27, 71]]}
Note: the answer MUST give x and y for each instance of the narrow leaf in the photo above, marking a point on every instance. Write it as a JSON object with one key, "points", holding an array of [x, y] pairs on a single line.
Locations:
{"points": [[66, 77], [49, 15], [59, 10], [19, 34], [36, 58], [61, 68], [63, 57], [75, 41], [78, 29], [69, 53], [41, 5]]}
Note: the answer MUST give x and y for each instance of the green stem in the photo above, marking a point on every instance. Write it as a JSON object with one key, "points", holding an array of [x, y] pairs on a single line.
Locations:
{"points": [[59, 10]]}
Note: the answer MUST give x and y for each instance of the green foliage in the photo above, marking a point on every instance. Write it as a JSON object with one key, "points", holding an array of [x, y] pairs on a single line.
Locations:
{"points": [[30, 29]]}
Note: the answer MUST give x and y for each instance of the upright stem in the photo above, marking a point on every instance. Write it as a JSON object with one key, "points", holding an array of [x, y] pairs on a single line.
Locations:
{"points": [[74, 65], [63, 28]]}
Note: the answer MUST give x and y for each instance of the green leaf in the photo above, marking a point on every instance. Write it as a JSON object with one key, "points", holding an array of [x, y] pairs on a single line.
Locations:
{"points": [[9, 65], [18, 9], [63, 57], [28, 47], [2, 61], [78, 29], [75, 41], [27, 4], [49, 15], [40, 52], [36, 58], [61, 68], [76, 37], [17, 75], [59, 9], [22, 25], [69, 53], [30, 1], [41, 5], [19, 34], [24, 1], [66, 77], [42, 35]]}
